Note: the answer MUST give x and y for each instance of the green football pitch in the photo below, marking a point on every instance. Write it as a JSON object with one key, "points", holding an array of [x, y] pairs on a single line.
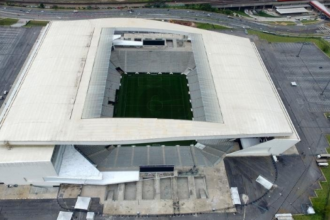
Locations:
{"points": [[153, 96]]}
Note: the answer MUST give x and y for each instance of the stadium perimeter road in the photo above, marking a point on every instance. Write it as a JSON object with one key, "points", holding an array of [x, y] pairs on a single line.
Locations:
{"points": [[154, 13], [15, 45]]}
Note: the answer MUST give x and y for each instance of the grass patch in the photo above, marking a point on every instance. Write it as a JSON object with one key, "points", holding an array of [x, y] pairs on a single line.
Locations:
{"points": [[207, 26], [8, 21], [319, 42], [309, 21], [153, 96], [307, 217], [284, 23], [264, 14], [206, 8], [233, 12], [240, 12], [327, 116], [321, 203], [200, 7], [36, 23]]}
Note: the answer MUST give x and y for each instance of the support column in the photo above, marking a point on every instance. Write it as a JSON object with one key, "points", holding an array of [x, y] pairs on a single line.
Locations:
{"points": [[175, 189], [191, 186], [121, 192], [157, 187], [139, 190]]}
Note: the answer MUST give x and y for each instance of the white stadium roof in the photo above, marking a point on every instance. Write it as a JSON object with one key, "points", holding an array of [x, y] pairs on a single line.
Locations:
{"points": [[47, 107]]}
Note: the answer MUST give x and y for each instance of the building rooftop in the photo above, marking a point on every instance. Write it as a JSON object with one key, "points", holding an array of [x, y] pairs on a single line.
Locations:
{"points": [[48, 105], [291, 10]]}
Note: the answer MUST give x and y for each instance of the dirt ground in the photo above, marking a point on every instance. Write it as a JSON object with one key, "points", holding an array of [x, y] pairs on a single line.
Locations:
{"points": [[185, 23]]}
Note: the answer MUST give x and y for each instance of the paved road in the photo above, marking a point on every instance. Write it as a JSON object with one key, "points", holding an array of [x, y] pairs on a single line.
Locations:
{"points": [[41, 209], [198, 16], [216, 3]]}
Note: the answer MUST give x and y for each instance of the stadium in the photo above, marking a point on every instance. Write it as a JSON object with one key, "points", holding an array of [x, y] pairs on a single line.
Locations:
{"points": [[99, 101]]}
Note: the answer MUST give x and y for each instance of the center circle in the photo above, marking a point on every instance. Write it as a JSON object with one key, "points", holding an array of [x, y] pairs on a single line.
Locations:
{"points": [[153, 102], [155, 105]]}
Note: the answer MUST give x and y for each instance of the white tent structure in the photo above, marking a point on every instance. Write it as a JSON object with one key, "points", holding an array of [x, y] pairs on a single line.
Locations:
{"points": [[45, 108]]}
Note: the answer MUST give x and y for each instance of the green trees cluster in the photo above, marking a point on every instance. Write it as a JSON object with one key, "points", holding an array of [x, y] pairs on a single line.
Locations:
{"points": [[325, 48], [156, 5], [202, 7]]}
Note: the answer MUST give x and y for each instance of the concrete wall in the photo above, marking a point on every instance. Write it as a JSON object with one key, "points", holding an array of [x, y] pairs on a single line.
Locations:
{"points": [[212, 142], [152, 61], [26, 173], [273, 147]]}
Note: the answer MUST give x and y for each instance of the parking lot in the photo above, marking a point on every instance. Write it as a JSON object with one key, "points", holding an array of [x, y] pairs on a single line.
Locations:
{"points": [[15, 45], [306, 106]]}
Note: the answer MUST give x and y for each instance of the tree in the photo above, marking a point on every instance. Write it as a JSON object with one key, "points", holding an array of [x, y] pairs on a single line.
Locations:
{"points": [[325, 48], [41, 5]]}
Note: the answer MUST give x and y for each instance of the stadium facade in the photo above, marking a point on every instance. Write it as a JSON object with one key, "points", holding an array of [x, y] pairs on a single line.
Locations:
{"points": [[97, 99]]}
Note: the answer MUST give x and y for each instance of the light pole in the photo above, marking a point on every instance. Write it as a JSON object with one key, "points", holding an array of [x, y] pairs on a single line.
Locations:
{"points": [[325, 88], [301, 49]]}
